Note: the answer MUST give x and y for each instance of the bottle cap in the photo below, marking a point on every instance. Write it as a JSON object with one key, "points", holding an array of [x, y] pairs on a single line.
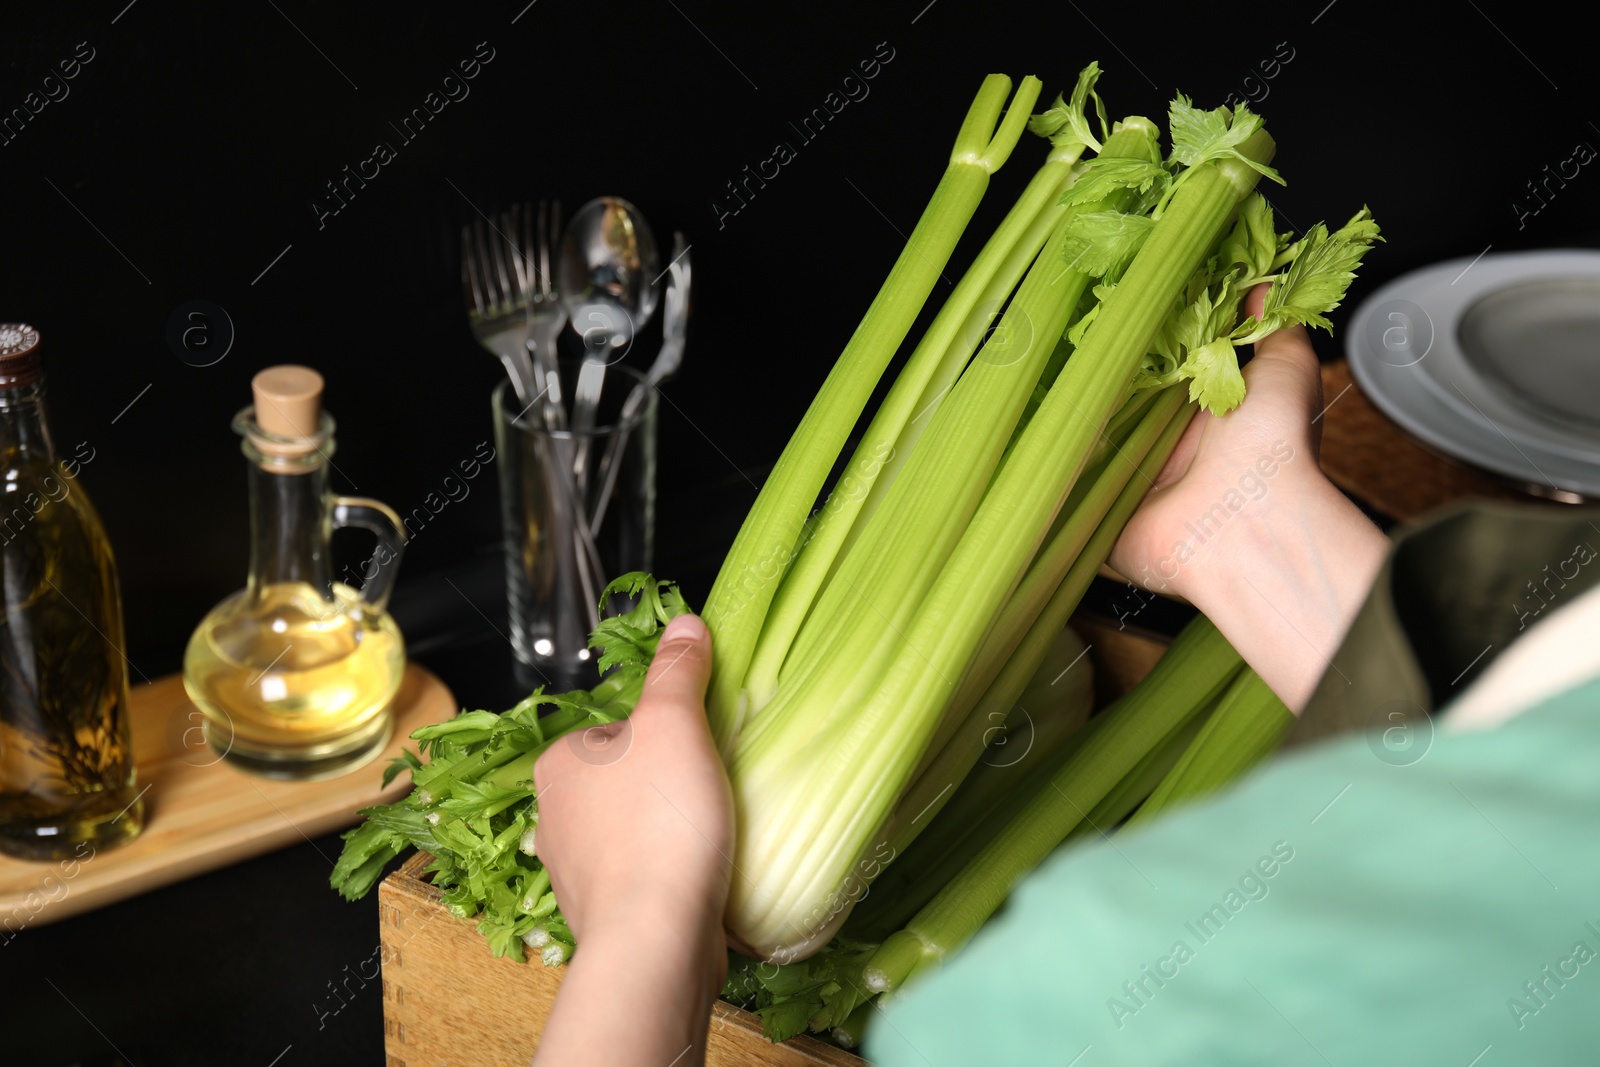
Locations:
{"points": [[19, 355], [288, 400]]}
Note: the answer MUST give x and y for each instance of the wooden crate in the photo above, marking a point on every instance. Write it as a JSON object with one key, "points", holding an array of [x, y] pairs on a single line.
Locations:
{"points": [[437, 967]]}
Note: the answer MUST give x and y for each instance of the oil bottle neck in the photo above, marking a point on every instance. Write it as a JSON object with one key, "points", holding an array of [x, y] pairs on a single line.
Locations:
{"points": [[24, 435], [289, 528]]}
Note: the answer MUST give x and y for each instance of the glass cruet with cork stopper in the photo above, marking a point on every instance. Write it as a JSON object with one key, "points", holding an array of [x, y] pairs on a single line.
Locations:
{"points": [[66, 755], [296, 674]]}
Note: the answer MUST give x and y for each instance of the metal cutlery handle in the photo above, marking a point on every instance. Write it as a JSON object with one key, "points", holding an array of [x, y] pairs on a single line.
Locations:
{"points": [[674, 329]]}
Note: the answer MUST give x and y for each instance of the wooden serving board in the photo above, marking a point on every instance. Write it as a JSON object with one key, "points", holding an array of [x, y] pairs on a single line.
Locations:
{"points": [[436, 967], [202, 813]]}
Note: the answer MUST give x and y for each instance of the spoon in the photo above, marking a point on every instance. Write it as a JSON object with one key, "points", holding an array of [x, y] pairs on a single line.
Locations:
{"points": [[605, 278]]}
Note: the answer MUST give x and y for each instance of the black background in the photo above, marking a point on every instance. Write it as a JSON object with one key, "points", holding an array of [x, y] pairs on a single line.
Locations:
{"points": [[187, 154]]}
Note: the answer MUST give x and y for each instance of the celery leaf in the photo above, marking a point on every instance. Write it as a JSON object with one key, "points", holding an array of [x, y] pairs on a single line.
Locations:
{"points": [[1252, 243], [1317, 279], [467, 728], [1100, 176], [629, 639], [406, 761], [1202, 136], [1066, 122], [1157, 371], [473, 799], [367, 850], [1076, 331], [1214, 379], [1103, 243], [783, 1019]]}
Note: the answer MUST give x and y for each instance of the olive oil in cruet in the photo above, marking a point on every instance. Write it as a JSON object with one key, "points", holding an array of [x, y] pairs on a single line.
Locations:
{"points": [[296, 674]]}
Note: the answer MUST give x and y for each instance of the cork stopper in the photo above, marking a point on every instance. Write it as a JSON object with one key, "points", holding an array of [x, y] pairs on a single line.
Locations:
{"points": [[286, 427], [19, 355], [288, 400]]}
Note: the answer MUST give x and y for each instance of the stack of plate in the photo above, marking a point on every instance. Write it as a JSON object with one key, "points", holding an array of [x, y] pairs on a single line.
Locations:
{"points": [[1494, 362]]}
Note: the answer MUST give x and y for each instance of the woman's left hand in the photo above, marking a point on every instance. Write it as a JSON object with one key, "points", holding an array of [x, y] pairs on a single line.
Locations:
{"points": [[636, 829]]}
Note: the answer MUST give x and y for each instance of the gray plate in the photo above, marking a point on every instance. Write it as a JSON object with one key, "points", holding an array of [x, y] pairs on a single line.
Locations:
{"points": [[1495, 362]]}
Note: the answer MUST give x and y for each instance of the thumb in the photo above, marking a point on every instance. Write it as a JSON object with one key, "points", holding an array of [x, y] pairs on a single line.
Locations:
{"points": [[1284, 363], [1289, 345], [682, 664]]}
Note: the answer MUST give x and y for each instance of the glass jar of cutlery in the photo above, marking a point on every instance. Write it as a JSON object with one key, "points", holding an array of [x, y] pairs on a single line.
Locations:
{"points": [[577, 510]]}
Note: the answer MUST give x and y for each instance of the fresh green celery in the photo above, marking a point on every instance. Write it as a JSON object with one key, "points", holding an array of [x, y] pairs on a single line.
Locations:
{"points": [[863, 653], [851, 1032], [938, 358], [1249, 724], [1048, 722], [859, 615], [955, 758], [841, 699], [765, 545], [1140, 455], [1196, 668], [1146, 775]]}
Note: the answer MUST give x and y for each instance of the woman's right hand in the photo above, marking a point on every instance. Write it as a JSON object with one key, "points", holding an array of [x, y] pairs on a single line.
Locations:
{"points": [[1242, 523]]}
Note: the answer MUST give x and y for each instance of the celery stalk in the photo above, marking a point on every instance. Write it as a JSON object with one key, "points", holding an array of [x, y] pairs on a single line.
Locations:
{"points": [[854, 627], [782, 914], [1249, 724], [1125, 798], [1198, 665], [1003, 535], [941, 354], [851, 1032], [1016, 645], [1141, 454], [870, 690], [764, 547], [1047, 723]]}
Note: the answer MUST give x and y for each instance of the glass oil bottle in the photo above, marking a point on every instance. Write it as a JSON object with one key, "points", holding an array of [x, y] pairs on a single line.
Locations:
{"points": [[296, 673], [66, 755]]}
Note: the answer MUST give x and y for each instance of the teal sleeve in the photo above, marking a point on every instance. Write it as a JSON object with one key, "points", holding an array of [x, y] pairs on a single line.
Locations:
{"points": [[1355, 903]]}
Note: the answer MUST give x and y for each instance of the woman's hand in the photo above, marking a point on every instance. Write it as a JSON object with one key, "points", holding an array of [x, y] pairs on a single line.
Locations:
{"points": [[1243, 524], [636, 829]]}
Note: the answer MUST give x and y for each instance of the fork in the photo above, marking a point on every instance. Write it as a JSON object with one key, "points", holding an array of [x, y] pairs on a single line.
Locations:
{"points": [[546, 314], [512, 307], [494, 285], [548, 317]]}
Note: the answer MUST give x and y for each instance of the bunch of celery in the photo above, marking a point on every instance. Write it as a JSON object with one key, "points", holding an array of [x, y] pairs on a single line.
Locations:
{"points": [[864, 652], [859, 649]]}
